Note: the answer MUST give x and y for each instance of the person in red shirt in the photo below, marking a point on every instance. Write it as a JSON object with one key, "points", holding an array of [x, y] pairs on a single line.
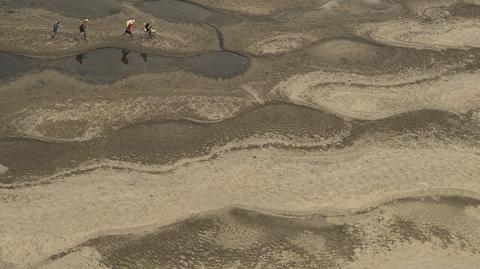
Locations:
{"points": [[128, 30]]}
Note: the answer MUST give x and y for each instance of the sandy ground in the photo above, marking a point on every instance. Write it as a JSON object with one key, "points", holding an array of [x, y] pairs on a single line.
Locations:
{"points": [[374, 97], [122, 200], [459, 33], [249, 238], [103, 32], [313, 157], [251, 7]]}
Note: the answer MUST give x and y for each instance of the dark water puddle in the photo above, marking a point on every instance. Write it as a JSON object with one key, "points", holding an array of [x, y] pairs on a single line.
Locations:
{"points": [[76, 8], [182, 11], [111, 64]]}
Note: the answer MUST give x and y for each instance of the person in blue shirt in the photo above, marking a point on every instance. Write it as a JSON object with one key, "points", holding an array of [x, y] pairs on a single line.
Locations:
{"points": [[56, 29]]}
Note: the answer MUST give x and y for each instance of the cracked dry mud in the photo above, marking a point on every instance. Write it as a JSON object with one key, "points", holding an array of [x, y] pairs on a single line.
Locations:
{"points": [[246, 134]]}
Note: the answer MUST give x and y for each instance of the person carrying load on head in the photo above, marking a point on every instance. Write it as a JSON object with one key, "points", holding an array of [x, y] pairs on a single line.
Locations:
{"points": [[128, 30]]}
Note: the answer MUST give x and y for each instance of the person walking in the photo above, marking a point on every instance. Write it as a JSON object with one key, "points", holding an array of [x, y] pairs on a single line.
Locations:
{"points": [[83, 28], [56, 29], [128, 30], [148, 29]]}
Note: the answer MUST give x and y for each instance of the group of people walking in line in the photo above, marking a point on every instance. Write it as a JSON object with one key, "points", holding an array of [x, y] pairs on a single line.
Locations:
{"points": [[147, 27]]}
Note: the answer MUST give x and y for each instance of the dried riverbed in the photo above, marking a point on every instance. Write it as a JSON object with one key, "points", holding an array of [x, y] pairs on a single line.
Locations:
{"points": [[246, 134]]}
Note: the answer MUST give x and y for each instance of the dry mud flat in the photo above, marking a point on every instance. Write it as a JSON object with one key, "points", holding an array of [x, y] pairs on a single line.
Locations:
{"points": [[248, 134], [242, 238], [405, 156]]}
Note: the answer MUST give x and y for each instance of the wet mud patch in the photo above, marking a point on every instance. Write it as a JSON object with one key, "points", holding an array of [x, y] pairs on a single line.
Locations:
{"points": [[203, 242], [459, 202], [277, 124], [166, 142], [184, 12], [196, 139], [13, 65], [243, 238], [355, 54], [255, 8], [111, 64], [32, 157], [442, 123], [465, 10], [77, 8]]}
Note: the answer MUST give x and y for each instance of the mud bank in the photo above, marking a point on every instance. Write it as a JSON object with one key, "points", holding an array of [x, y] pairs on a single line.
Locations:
{"points": [[273, 124], [245, 238], [362, 87], [379, 165]]}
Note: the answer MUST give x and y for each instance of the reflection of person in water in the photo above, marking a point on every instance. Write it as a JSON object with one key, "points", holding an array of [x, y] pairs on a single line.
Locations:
{"points": [[144, 57], [80, 58], [124, 56]]}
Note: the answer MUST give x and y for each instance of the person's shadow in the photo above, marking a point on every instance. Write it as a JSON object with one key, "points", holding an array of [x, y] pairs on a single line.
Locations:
{"points": [[124, 58], [80, 58]]}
